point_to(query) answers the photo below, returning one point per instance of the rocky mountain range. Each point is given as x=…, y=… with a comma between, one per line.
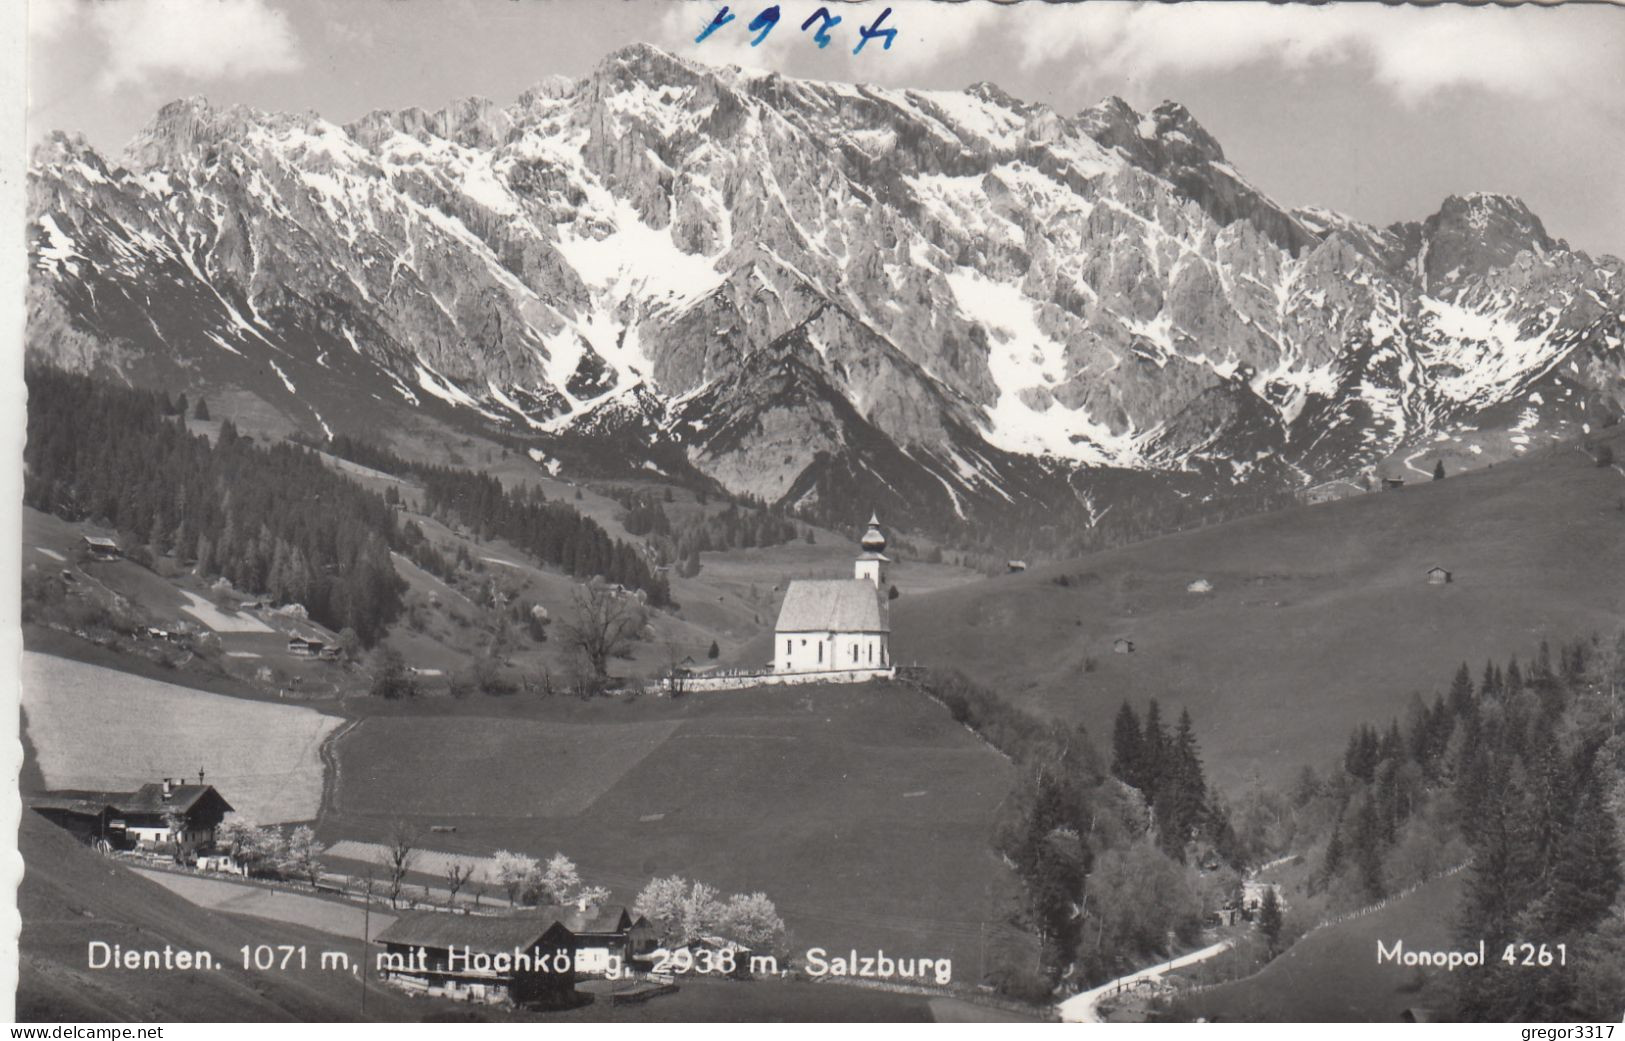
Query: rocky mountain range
x=945, y=303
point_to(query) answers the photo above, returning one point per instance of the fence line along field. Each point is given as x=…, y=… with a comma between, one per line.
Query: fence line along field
x=95, y=728
x=431, y=862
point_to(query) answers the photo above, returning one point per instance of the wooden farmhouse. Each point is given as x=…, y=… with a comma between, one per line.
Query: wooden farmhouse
x=169, y=815
x=1438, y=576
x=305, y=647
x=521, y=959
x=607, y=938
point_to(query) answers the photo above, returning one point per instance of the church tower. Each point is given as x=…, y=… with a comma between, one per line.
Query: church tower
x=872, y=561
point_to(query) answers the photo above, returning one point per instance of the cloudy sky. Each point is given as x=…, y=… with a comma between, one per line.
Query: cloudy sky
x=1379, y=112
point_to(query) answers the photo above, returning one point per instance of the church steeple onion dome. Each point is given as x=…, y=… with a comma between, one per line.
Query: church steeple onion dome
x=873, y=540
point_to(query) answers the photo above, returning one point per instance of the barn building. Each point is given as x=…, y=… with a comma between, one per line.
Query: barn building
x=521, y=959
x=1438, y=576
x=607, y=938
x=101, y=548
x=840, y=624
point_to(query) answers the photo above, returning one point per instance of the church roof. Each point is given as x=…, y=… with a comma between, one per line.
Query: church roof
x=832, y=605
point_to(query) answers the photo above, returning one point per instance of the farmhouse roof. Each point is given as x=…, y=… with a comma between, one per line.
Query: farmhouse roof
x=149, y=798
x=88, y=806
x=832, y=605
x=1436, y=567
x=485, y=933
x=594, y=921
x=101, y=542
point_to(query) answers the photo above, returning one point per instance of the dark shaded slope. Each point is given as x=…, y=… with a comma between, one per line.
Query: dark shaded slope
x=71, y=896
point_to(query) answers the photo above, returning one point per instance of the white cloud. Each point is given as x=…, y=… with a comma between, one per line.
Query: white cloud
x=196, y=39
x=1414, y=52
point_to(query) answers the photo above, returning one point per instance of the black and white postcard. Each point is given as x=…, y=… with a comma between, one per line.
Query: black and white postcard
x=549, y=512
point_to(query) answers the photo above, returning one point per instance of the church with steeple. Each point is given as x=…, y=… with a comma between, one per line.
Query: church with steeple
x=837, y=625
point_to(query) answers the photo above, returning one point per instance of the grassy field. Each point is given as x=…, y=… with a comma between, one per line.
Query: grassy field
x=70, y=896
x=531, y=768
x=1319, y=617
x=327, y=915
x=92, y=727
x=864, y=812
x=1332, y=975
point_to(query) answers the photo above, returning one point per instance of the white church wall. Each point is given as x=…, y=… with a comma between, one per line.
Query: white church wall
x=825, y=652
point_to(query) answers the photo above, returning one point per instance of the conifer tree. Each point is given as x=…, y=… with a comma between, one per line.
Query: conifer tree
x=1587, y=874
x=1368, y=849
x=1153, y=749
x=1126, y=747
x=1333, y=864
x=1461, y=691
x=1270, y=919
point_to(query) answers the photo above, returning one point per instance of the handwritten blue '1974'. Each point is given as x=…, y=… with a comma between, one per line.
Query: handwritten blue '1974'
x=768, y=17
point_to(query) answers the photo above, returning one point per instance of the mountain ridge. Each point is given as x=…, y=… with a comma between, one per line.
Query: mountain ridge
x=996, y=285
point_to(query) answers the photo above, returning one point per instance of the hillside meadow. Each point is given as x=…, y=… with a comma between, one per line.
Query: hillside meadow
x=96, y=728
x=1319, y=617
x=863, y=811
x=70, y=896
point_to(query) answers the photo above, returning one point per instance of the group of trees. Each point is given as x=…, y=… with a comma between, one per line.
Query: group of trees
x=681, y=542
x=552, y=532
x=273, y=521
x=535, y=883
x=270, y=851
x=1107, y=878
x=1520, y=774
x=1167, y=770
x=681, y=911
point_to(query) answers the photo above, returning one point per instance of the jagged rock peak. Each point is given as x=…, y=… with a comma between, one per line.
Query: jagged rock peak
x=1473, y=233
x=1171, y=120
x=60, y=147
x=646, y=58
x=1109, y=113
x=994, y=94
x=175, y=131
x=556, y=87
x=473, y=121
